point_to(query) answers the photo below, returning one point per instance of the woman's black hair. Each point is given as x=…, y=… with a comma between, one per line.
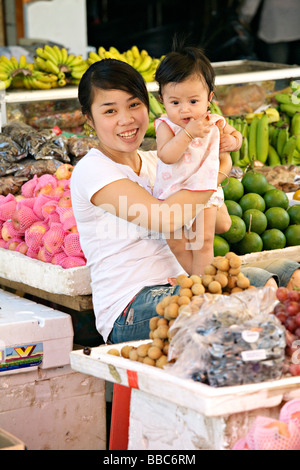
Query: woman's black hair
x=181, y=63
x=110, y=74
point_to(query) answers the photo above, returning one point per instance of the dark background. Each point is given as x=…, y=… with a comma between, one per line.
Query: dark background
x=151, y=25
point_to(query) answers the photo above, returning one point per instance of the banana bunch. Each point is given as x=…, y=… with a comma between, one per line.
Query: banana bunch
x=156, y=109
x=57, y=61
x=140, y=60
x=12, y=71
x=271, y=112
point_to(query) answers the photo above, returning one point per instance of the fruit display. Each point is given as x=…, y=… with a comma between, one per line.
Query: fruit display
x=53, y=67
x=223, y=276
x=140, y=60
x=156, y=109
x=40, y=223
x=287, y=311
x=261, y=217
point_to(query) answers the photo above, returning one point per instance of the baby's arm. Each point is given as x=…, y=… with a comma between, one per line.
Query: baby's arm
x=230, y=139
x=170, y=147
x=225, y=166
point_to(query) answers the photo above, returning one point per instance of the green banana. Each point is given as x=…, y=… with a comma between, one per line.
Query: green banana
x=274, y=136
x=296, y=158
x=7, y=63
x=57, y=52
x=287, y=98
x=154, y=105
x=273, y=157
x=252, y=138
x=150, y=132
x=282, y=138
x=78, y=60
x=244, y=150
x=288, y=151
x=64, y=55
x=295, y=124
x=298, y=142
x=290, y=109
x=262, y=139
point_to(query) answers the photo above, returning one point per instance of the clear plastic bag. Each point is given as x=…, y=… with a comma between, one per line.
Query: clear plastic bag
x=229, y=340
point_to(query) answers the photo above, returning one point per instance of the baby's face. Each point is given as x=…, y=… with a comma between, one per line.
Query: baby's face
x=186, y=100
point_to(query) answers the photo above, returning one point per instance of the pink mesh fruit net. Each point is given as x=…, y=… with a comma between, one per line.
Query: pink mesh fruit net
x=72, y=262
x=34, y=235
x=58, y=257
x=72, y=245
x=44, y=255
x=291, y=412
x=9, y=229
x=49, y=211
x=54, y=238
x=66, y=217
x=23, y=218
x=28, y=188
x=7, y=207
x=39, y=202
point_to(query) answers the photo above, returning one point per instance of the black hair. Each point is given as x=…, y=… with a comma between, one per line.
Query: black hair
x=181, y=63
x=111, y=74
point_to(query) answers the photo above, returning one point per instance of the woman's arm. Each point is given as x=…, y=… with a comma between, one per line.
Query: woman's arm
x=128, y=200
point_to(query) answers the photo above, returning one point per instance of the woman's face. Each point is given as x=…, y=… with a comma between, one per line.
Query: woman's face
x=186, y=100
x=119, y=119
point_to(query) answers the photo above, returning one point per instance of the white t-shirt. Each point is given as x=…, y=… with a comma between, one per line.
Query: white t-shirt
x=122, y=257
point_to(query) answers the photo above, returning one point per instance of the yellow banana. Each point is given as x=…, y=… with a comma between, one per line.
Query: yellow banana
x=7, y=62
x=101, y=52
x=70, y=58
x=40, y=63
x=262, y=139
x=4, y=76
x=78, y=60
x=15, y=63
x=109, y=55
x=4, y=84
x=41, y=53
x=273, y=114
x=57, y=52
x=64, y=55
x=22, y=62
x=80, y=68
x=50, y=54
x=135, y=51
x=95, y=57
x=77, y=75
x=61, y=83
x=114, y=50
x=26, y=83
x=45, y=77
x=145, y=65
x=4, y=69
x=51, y=67
x=39, y=85
x=129, y=56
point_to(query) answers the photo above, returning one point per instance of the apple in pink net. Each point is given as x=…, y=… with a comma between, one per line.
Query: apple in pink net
x=64, y=171
x=22, y=248
x=34, y=235
x=65, y=201
x=12, y=244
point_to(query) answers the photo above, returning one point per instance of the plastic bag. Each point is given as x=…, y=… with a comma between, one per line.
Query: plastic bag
x=229, y=340
x=10, y=151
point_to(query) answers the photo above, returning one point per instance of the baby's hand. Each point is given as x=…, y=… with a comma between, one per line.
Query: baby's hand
x=199, y=127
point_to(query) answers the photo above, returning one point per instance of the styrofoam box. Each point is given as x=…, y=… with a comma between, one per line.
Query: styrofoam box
x=52, y=278
x=32, y=335
x=201, y=398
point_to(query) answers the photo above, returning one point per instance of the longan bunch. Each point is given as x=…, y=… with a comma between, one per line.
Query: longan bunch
x=224, y=276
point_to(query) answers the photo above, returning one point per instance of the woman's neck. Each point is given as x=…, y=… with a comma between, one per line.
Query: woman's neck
x=133, y=160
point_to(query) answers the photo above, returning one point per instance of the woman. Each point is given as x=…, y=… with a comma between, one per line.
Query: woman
x=122, y=226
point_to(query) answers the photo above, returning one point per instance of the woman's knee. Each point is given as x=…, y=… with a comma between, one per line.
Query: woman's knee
x=295, y=280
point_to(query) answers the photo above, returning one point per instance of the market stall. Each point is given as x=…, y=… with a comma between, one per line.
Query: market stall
x=59, y=276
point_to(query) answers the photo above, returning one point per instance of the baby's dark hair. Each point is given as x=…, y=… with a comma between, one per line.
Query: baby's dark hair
x=183, y=62
x=111, y=74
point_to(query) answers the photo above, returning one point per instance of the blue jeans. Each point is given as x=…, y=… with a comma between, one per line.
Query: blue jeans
x=280, y=269
x=133, y=323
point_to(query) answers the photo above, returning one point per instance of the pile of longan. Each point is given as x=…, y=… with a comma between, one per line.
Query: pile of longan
x=222, y=276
